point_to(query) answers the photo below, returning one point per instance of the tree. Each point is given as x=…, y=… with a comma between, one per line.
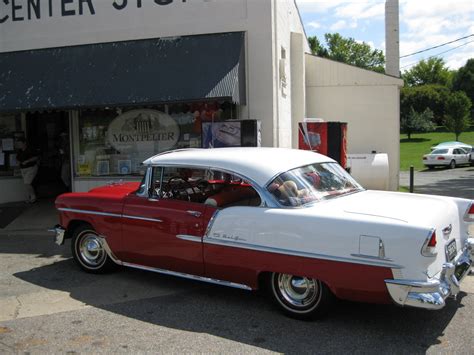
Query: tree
x=419, y=98
x=431, y=71
x=416, y=122
x=348, y=51
x=464, y=80
x=457, y=118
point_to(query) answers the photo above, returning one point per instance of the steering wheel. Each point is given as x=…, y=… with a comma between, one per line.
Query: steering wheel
x=178, y=187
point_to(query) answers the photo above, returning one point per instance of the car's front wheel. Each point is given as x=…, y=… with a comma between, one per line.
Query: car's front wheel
x=300, y=297
x=88, y=251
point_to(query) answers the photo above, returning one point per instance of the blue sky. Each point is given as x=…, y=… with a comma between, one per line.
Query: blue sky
x=423, y=24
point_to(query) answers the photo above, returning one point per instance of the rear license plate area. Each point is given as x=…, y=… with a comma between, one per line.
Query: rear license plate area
x=451, y=250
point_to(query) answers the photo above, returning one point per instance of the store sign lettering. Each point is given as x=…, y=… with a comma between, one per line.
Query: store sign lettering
x=143, y=137
x=26, y=10
x=143, y=129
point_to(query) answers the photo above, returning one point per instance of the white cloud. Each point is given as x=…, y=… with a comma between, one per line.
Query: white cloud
x=313, y=25
x=360, y=11
x=342, y=24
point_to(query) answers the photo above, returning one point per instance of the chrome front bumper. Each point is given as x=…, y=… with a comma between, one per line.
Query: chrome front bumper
x=432, y=294
x=59, y=234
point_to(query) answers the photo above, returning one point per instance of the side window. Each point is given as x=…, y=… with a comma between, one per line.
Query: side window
x=211, y=187
x=227, y=190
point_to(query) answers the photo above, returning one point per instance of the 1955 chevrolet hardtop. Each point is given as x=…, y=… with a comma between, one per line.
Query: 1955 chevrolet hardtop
x=293, y=221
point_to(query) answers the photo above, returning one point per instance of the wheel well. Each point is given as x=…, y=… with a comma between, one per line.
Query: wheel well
x=73, y=225
x=263, y=279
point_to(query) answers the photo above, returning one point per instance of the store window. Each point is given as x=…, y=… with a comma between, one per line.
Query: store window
x=10, y=131
x=114, y=142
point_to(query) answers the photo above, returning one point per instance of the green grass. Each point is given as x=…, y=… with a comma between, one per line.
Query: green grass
x=411, y=151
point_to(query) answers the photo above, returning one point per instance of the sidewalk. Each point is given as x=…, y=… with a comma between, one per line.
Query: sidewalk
x=36, y=218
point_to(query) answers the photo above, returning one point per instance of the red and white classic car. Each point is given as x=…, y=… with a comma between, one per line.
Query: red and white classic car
x=291, y=220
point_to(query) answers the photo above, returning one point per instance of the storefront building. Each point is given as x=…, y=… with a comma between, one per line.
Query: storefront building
x=99, y=86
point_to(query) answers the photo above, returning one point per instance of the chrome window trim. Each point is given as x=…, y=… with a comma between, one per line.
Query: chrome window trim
x=227, y=243
x=107, y=214
x=145, y=193
x=189, y=238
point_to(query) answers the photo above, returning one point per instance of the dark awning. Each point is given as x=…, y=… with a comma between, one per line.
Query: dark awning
x=133, y=72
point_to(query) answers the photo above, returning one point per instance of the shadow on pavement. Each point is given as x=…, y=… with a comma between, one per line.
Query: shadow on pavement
x=247, y=317
x=463, y=187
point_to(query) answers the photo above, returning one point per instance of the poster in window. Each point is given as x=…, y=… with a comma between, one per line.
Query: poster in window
x=103, y=167
x=125, y=167
x=221, y=134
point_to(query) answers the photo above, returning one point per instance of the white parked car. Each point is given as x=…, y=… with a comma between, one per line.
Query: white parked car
x=447, y=157
x=291, y=221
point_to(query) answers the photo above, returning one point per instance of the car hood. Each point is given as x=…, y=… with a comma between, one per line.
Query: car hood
x=396, y=206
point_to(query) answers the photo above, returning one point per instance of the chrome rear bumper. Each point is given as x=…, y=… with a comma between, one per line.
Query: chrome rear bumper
x=432, y=294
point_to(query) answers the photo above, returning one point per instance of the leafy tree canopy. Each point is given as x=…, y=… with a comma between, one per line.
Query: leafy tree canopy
x=349, y=51
x=426, y=72
x=457, y=118
x=417, y=122
x=464, y=80
x=419, y=98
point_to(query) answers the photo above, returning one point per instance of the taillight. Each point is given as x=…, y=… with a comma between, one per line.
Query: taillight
x=441, y=158
x=429, y=246
x=469, y=217
x=432, y=242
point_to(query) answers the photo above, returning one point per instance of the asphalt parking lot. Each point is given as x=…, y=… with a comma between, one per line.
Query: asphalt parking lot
x=48, y=305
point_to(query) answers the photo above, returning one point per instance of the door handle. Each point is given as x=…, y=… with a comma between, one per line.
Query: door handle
x=194, y=213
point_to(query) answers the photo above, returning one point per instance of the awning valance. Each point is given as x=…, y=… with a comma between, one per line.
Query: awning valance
x=147, y=71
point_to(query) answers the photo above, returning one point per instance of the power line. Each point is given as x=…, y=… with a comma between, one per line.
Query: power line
x=440, y=45
x=436, y=55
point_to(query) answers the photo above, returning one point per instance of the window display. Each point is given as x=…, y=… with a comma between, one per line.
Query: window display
x=116, y=141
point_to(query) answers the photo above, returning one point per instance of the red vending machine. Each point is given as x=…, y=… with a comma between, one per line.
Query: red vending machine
x=327, y=138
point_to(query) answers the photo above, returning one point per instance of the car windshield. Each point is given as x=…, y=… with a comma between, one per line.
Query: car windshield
x=440, y=151
x=312, y=183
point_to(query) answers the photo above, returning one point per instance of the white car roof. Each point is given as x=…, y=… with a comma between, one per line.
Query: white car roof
x=257, y=164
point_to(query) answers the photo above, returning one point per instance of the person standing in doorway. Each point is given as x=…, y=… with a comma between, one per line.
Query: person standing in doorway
x=28, y=166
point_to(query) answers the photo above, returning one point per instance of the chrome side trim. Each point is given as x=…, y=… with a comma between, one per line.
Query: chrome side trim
x=211, y=222
x=188, y=276
x=107, y=214
x=371, y=257
x=142, y=218
x=112, y=256
x=227, y=243
x=110, y=253
x=189, y=238
x=96, y=213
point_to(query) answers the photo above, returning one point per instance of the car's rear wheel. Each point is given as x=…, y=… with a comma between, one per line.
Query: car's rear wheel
x=88, y=251
x=431, y=167
x=300, y=297
x=452, y=164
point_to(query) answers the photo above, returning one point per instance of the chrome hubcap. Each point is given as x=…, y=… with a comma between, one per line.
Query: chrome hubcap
x=91, y=249
x=298, y=291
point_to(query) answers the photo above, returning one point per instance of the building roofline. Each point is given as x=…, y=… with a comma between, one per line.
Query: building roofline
x=388, y=76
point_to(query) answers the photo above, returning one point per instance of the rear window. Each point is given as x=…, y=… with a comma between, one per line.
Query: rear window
x=440, y=151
